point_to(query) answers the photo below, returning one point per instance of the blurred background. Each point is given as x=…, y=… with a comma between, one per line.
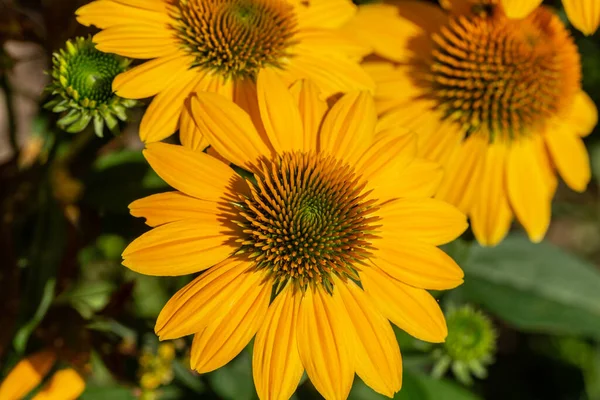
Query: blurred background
x=525, y=325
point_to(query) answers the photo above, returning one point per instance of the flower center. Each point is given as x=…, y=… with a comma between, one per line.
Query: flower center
x=504, y=77
x=87, y=73
x=307, y=218
x=236, y=37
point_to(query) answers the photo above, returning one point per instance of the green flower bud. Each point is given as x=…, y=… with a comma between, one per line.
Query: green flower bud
x=81, y=87
x=469, y=347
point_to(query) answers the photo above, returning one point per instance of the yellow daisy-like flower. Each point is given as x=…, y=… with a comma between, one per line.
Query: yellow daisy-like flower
x=64, y=384
x=220, y=46
x=496, y=101
x=583, y=14
x=331, y=234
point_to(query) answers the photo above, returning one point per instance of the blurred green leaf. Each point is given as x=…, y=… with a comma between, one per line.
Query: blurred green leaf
x=234, y=380
x=187, y=377
x=535, y=287
x=89, y=297
x=22, y=335
x=113, y=392
x=149, y=295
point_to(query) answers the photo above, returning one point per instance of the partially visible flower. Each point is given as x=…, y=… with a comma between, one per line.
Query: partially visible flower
x=330, y=235
x=469, y=347
x=156, y=368
x=498, y=102
x=583, y=14
x=64, y=384
x=82, y=78
x=220, y=46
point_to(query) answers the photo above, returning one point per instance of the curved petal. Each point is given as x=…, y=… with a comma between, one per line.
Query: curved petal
x=26, y=375
x=312, y=109
x=570, y=157
x=191, y=172
x=421, y=178
x=527, y=189
x=65, y=384
x=220, y=341
x=415, y=263
x=207, y=299
x=228, y=129
x=104, y=14
x=412, y=310
x=162, y=208
x=153, y=5
x=583, y=115
x=426, y=220
x=323, y=13
x=162, y=117
x=181, y=247
x=392, y=151
x=137, y=41
x=375, y=349
x=518, y=9
x=583, y=14
x=189, y=133
x=463, y=173
x=276, y=364
x=491, y=214
x=280, y=115
x=328, y=41
x=151, y=77
x=349, y=127
x=323, y=326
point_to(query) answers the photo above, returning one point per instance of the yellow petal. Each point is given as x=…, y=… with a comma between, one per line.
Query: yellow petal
x=412, y=310
x=332, y=73
x=228, y=129
x=323, y=13
x=491, y=214
x=276, y=364
x=153, y=5
x=26, y=375
x=280, y=115
x=583, y=115
x=518, y=9
x=349, y=128
x=161, y=119
x=65, y=384
x=463, y=173
x=151, y=77
x=527, y=189
x=137, y=41
x=323, y=326
x=189, y=133
x=181, y=247
x=207, y=299
x=312, y=109
x=389, y=150
x=220, y=341
x=421, y=178
x=104, y=14
x=427, y=220
x=583, y=14
x=191, y=172
x=328, y=41
x=374, y=345
x=458, y=6
x=162, y=208
x=396, y=85
x=415, y=263
x=570, y=157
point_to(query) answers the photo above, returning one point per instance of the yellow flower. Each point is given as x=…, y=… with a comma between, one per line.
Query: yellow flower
x=583, y=14
x=219, y=46
x=332, y=233
x=64, y=384
x=498, y=102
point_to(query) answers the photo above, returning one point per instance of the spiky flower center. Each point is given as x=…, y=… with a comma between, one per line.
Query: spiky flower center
x=502, y=77
x=236, y=37
x=471, y=335
x=89, y=73
x=307, y=218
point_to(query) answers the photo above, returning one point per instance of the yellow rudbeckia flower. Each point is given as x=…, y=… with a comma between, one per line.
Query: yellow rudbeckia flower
x=496, y=101
x=64, y=384
x=331, y=234
x=583, y=14
x=219, y=46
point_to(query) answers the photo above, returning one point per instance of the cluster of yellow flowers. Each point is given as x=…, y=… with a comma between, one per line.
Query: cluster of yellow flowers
x=346, y=144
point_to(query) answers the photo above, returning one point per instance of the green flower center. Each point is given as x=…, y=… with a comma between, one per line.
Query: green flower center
x=471, y=336
x=500, y=77
x=236, y=38
x=307, y=217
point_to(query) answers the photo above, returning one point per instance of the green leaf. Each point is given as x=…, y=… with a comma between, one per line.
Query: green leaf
x=234, y=381
x=535, y=287
x=22, y=335
x=187, y=377
x=113, y=392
